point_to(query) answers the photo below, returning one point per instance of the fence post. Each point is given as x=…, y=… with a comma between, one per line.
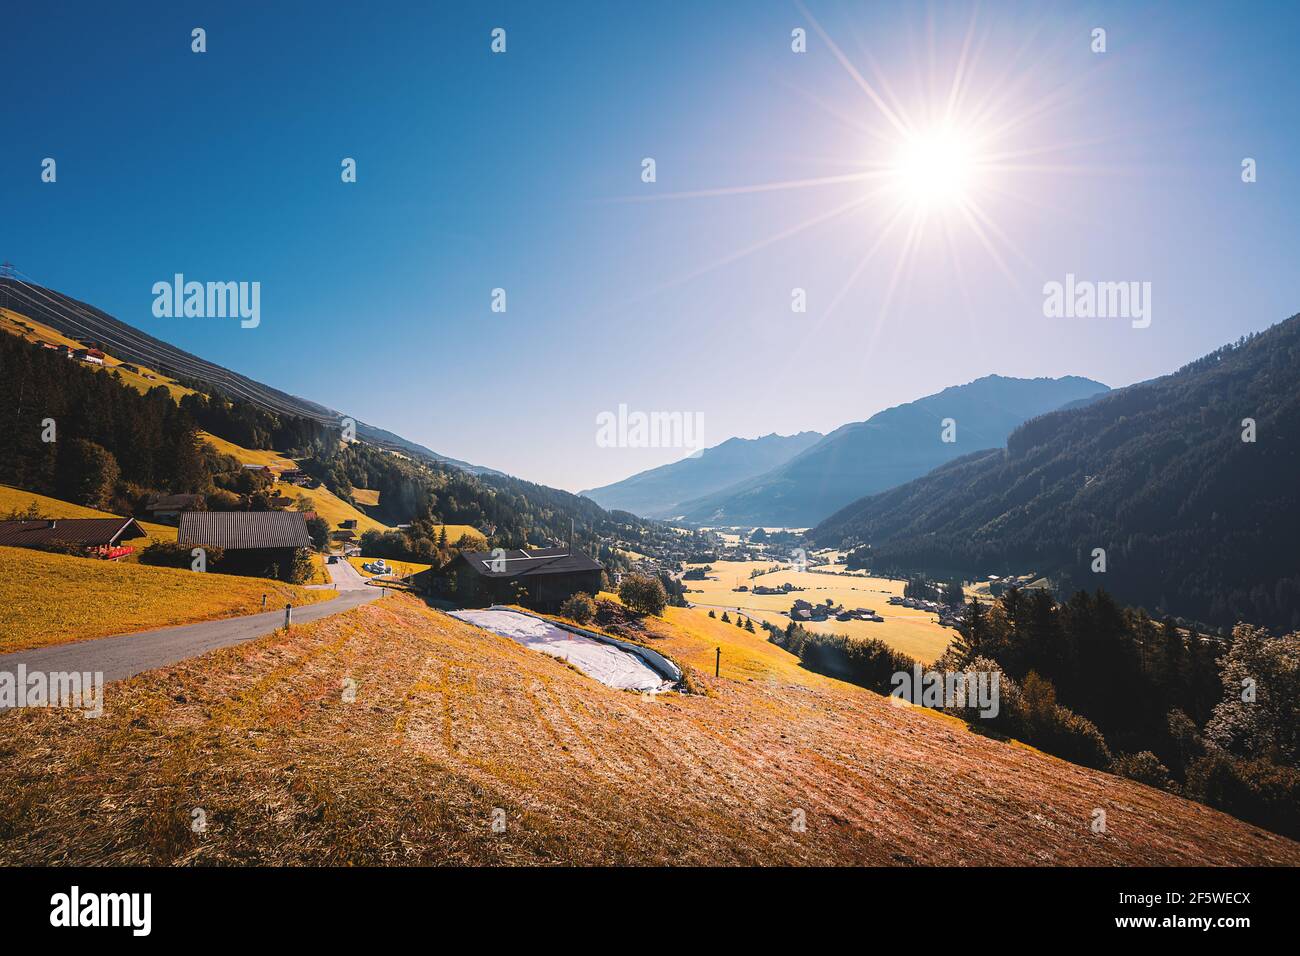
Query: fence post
x=717, y=664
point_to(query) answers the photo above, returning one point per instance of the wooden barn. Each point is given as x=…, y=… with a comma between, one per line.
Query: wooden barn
x=99, y=537
x=260, y=543
x=543, y=576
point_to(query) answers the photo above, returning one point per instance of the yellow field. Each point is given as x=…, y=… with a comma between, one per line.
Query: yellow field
x=55, y=599
x=15, y=498
x=333, y=509
x=249, y=456
x=9, y=322
x=365, y=496
x=916, y=633
x=401, y=568
x=328, y=505
x=456, y=531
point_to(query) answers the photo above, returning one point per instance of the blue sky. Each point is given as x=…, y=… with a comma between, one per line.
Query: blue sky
x=523, y=171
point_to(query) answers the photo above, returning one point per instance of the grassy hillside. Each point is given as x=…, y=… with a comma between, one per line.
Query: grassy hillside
x=55, y=599
x=328, y=505
x=332, y=508
x=16, y=499
x=451, y=724
x=249, y=456
x=142, y=380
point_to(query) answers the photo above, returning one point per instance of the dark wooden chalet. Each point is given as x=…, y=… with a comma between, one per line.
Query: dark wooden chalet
x=544, y=577
x=262, y=543
x=101, y=537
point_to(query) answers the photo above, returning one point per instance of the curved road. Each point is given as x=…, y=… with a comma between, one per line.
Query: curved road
x=126, y=655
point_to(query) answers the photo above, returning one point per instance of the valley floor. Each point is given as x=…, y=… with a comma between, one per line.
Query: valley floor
x=913, y=632
x=396, y=734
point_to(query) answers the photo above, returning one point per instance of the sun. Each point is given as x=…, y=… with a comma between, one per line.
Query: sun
x=935, y=168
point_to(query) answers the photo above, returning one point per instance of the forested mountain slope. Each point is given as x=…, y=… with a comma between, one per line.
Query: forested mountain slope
x=1194, y=520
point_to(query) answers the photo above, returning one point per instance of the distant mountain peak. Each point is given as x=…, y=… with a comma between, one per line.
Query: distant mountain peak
x=658, y=492
x=894, y=445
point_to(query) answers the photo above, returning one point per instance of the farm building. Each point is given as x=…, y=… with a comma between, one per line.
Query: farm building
x=544, y=577
x=262, y=543
x=169, y=507
x=92, y=356
x=102, y=537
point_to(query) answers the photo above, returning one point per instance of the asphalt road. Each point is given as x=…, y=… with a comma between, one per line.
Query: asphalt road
x=126, y=655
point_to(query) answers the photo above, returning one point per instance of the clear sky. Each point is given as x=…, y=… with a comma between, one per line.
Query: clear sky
x=523, y=171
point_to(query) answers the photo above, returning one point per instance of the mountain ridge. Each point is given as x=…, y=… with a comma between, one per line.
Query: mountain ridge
x=655, y=493
x=1194, y=518
x=894, y=445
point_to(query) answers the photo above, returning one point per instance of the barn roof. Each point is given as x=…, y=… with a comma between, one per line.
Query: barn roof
x=90, y=532
x=244, y=530
x=531, y=562
x=174, y=501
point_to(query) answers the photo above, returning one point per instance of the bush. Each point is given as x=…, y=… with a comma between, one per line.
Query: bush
x=1253, y=790
x=867, y=662
x=1075, y=738
x=1028, y=711
x=303, y=570
x=1146, y=768
x=319, y=530
x=579, y=608
x=63, y=547
x=643, y=595
x=169, y=554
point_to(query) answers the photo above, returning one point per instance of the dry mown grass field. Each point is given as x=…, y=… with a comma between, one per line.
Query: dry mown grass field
x=50, y=599
x=450, y=723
